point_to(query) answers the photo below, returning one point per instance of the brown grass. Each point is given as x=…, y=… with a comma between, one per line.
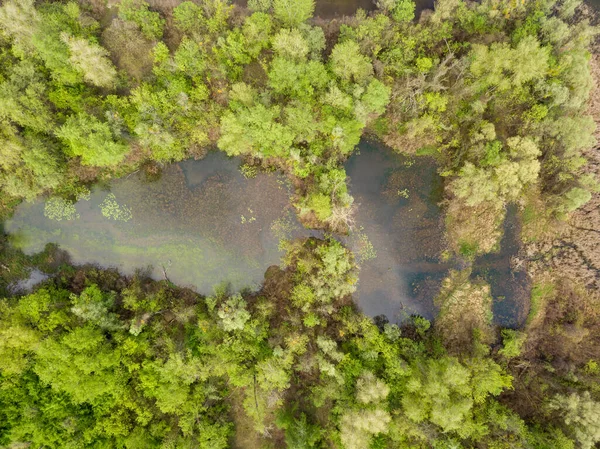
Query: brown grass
x=129, y=50
x=478, y=226
x=465, y=310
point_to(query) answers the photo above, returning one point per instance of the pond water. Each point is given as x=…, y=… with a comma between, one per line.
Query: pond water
x=202, y=223
x=397, y=213
x=337, y=8
x=24, y=286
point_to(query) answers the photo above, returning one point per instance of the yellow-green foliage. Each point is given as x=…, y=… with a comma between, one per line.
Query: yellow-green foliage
x=497, y=91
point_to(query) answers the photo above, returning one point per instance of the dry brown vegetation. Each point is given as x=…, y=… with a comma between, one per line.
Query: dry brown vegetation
x=477, y=227
x=465, y=312
x=563, y=340
x=129, y=49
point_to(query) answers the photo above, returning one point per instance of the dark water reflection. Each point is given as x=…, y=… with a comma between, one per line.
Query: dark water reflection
x=397, y=211
x=337, y=8
x=510, y=288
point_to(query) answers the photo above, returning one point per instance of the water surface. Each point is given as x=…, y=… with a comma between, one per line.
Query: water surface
x=397, y=211
x=202, y=223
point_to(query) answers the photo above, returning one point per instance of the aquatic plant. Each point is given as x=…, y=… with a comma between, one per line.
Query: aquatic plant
x=248, y=171
x=113, y=210
x=59, y=209
x=83, y=193
x=364, y=250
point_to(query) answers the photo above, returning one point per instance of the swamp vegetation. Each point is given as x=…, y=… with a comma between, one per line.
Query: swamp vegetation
x=280, y=224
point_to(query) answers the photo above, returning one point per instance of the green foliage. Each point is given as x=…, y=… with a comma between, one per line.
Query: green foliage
x=540, y=294
x=302, y=296
x=349, y=64
x=91, y=346
x=71, y=358
x=260, y=5
x=582, y=415
x=311, y=320
x=445, y=392
x=326, y=272
x=248, y=171
x=358, y=427
x=28, y=166
x=496, y=91
x=233, y=313
x=513, y=343
x=254, y=128
x=92, y=140
x=369, y=389
x=299, y=433
x=92, y=60
x=290, y=44
x=575, y=198
x=292, y=13
x=320, y=204
x=137, y=11
x=489, y=64
x=403, y=10
x=189, y=17
x=93, y=306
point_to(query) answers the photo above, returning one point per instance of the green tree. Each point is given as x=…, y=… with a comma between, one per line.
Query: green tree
x=349, y=64
x=320, y=204
x=299, y=433
x=233, y=313
x=260, y=5
x=403, y=10
x=92, y=140
x=92, y=60
x=290, y=44
x=93, y=306
x=575, y=198
x=138, y=11
x=24, y=98
x=369, y=389
x=255, y=130
x=444, y=391
x=292, y=13
x=29, y=165
x=582, y=415
x=513, y=342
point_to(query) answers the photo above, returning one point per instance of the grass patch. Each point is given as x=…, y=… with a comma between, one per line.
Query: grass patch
x=540, y=293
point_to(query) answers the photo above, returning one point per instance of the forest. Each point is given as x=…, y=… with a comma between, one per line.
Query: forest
x=502, y=95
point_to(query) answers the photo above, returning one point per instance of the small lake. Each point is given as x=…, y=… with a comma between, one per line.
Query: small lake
x=397, y=211
x=202, y=223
